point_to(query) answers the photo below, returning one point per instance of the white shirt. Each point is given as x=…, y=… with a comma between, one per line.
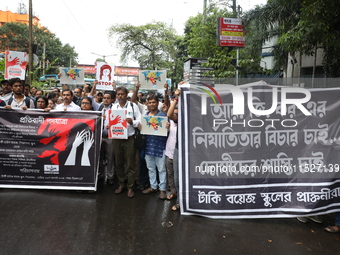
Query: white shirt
x=71, y=107
x=6, y=97
x=15, y=104
x=135, y=118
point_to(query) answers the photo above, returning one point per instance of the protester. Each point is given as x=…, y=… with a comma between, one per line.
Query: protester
x=86, y=104
x=18, y=99
x=39, y=93
x=173, y=116
x=336, y=227
x=77, y=95
x=51, y=105
x=42, y=102
x=169, y=154
x=6, y=90
x=106, y=161
x=154, y=153
x=67, y=104
x=124, y=150
x=54, y=98
x=99, y=97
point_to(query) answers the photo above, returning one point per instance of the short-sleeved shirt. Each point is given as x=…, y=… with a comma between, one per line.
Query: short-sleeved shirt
x=155, y=145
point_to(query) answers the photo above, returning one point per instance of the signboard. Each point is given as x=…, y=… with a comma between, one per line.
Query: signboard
x=71, y=75
x=88, y=69
x=104, y=75
x=152, y=79
x=230, y=32
x=118, y=124
x=126, y=71
x=49, y=150
x=195, y=71
x=15, y=64
x=154, y=125
x=275, y=154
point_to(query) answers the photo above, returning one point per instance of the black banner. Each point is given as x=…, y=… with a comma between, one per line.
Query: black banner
x=49, y=150
x=280, y=158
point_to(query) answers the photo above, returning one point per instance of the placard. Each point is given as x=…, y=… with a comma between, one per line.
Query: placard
x=118, y=124
x=104, y=75
x=152, y=79
x=15, y=64
x=154, y=125
x=71, y=75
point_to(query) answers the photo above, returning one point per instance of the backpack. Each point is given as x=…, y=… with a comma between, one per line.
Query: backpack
x=27, y=101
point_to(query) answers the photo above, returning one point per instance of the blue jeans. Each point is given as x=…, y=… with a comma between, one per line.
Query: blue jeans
x=152, y=162
x=337, y=219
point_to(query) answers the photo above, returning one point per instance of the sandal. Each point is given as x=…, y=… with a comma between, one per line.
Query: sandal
x=175, y=207
x=171, y=196
x=332, y=229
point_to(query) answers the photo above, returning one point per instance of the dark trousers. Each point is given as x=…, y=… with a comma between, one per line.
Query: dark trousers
x=124, y=151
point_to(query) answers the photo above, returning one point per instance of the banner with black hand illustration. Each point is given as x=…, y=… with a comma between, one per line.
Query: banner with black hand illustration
x=256, y=151
x=50, y=150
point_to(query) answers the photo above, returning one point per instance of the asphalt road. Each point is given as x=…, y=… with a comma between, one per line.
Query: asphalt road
x=67, y=222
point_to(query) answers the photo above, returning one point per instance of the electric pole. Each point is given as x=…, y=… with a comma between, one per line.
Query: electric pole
x=30, y=44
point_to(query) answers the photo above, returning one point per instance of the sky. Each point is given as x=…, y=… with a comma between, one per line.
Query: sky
x=84, y=23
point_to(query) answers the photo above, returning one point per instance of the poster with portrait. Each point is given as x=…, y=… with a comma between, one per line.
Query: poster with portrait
x=154, y=125
x=152, y=79
x=71, y=75
x=118, y=124
x=15, y=64
x=104, y=75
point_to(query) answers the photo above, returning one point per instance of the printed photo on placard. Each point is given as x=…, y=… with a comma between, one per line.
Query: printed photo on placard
x=71, y=75
x=15, y=64
x=117, y=123
x=154, y=125
x=104, y=75
x=152, y=79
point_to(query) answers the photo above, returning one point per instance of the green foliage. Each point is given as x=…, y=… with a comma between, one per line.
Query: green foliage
x=14, y=36
x=300, y=26
x=153, y=46
x=2, y=69
x=200, y=38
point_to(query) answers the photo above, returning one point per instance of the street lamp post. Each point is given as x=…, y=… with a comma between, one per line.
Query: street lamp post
x=103, y=56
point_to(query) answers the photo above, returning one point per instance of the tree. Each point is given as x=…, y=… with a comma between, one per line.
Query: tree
x=152, y=45
x=300, y=26
x=14, y=36
x=200, y=38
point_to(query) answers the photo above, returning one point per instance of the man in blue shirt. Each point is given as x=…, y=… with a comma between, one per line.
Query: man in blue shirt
x=154, y=153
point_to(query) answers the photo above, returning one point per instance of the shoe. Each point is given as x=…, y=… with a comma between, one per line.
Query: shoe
x=315, y=218
x=149, y=190
x=162, y=195
x=131, y=194
x=171, y=196
x=176, y=207
x=142, y=187
x=110, y=181
x=332, y=229
x=119, y=190
x=302, y=219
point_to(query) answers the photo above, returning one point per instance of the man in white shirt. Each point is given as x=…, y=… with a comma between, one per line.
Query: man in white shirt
x=18, y=99
x=68, y=104
x=124, y=149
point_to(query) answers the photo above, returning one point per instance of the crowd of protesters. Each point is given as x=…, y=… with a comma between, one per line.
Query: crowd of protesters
x=149, y=164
